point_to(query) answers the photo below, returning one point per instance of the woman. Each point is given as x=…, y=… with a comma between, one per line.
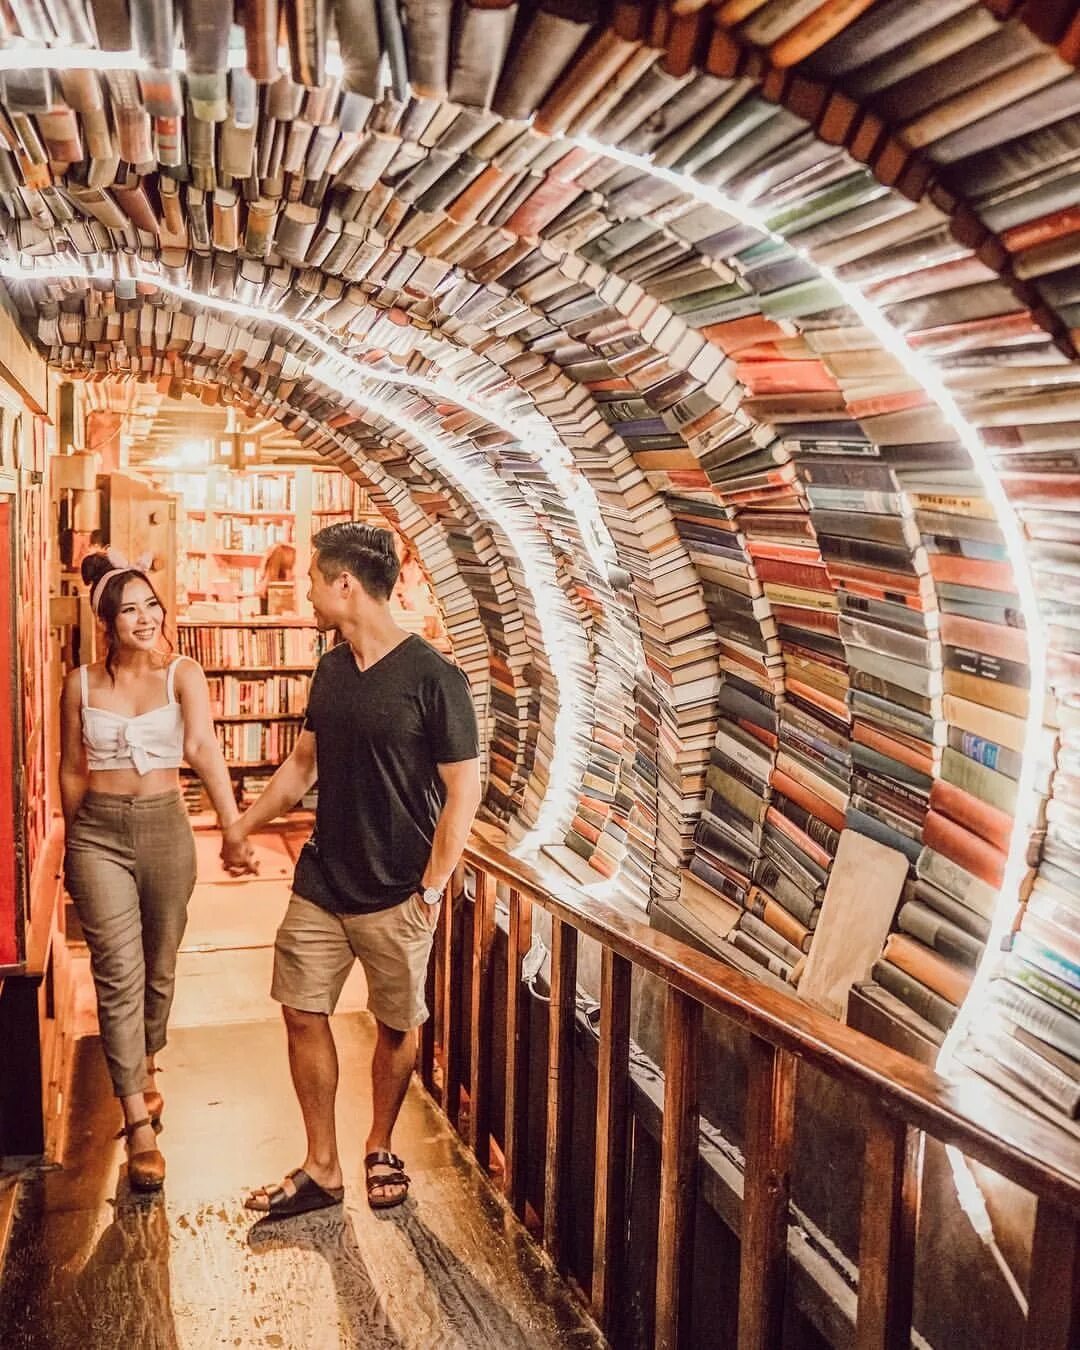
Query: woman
x=127, y=723
x=278, y=564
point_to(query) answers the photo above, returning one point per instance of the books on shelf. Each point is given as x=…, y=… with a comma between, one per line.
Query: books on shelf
x=251, y=644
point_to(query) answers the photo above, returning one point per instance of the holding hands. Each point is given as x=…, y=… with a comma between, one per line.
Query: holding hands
x=237, y=854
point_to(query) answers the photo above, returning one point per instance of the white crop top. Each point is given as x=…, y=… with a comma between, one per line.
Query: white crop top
x=152, y=740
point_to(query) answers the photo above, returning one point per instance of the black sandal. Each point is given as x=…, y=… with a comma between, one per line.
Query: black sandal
x=307, y=1196
x=397, y=1177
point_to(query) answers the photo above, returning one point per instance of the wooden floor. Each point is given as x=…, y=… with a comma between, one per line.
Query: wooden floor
x=92, y=1265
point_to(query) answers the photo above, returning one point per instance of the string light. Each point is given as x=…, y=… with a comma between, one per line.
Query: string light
x=564, y=640
x=20, y=55
x=931, y=381
x=921, y=370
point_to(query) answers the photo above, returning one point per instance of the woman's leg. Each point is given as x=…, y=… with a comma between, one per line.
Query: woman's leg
x=165, y=871
x=107, y=900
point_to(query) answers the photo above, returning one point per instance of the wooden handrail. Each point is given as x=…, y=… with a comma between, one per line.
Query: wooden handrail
x=982, y=1123
x=899, y=1100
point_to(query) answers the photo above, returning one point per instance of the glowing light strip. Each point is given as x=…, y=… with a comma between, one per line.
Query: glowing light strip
x=29, y=55
x=564, y=642
x=929, y=378
x=22, y=55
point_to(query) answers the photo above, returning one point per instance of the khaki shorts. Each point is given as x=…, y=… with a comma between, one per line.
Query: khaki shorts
x=315, y=950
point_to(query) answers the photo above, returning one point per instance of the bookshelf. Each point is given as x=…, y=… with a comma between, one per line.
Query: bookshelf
x=231, y=519
x=258, y=671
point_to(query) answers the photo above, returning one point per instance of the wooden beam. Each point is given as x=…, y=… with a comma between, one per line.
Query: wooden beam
x=560, y=1093
x=483, y=939
x=612, y=1134
x=770, y=1122
x=678, y=1170
x=1054, y=1285
x=516, y=1099
x=451, y=1008
x=887, y=1229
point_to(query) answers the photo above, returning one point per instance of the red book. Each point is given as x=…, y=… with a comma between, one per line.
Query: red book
x=950, y=981
x=887, y=403
x=979, y=572
x=974, y=333
x=793, y=574
x=798, y=837
x=892, y=748
x=964, y=848
x=1007, y=644
x=767, y=738
x=988, y=822
x=784, y=377
x=738, y=333
x=835, y=707
x=885, y=583
x=1045, y=228
x=810, y=801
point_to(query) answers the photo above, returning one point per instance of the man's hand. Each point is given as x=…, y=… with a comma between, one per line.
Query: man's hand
x=430, y=912
x=237, y=855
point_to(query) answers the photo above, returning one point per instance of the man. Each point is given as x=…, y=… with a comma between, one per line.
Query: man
x=391, y=735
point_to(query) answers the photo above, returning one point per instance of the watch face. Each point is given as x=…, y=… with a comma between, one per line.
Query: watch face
x=432, y=895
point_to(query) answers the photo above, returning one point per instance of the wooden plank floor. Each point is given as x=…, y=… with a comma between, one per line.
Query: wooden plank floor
x=92, y=1265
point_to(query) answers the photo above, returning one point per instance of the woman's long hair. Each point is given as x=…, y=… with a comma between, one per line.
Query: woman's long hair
x=94, y=566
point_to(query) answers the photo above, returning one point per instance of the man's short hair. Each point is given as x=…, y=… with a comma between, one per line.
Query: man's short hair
x=364, y=551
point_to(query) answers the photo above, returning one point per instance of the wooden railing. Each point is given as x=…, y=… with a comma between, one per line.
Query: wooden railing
x=896, y=1098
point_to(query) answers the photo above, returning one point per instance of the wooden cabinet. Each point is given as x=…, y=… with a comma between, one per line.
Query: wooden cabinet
x=139, y=519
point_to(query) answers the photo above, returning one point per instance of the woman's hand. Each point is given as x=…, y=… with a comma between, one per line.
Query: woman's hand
x=237, y=854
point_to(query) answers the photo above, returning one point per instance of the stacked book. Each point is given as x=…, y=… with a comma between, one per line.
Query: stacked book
x=1029, y=1042
x=975, y=682
x=886, y=623
x=448, y=222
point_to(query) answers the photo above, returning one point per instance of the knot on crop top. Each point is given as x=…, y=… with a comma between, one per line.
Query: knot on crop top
x=152, y=740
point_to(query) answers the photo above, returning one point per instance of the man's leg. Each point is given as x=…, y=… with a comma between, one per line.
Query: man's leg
x=391, y=1070
x=394, y=947
x=313, y=1063
x=312, y=958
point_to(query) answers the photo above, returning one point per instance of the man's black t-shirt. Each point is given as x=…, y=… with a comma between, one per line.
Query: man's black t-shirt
x=379, y=734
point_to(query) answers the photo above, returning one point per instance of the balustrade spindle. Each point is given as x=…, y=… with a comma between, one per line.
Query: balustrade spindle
x=887, y=1231
x=480, y=987
x=516, y=1101
x=612, y=1134
x=770, y=1127
x=678, y=1169
x=560, y=1085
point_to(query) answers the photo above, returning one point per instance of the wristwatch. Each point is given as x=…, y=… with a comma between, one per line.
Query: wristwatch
x=431, y=895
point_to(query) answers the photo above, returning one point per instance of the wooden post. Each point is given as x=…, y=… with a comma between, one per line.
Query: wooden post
x=516, y=1101
x=483, y=937
x=678, y=1169
x=425, y=1060
x=560, y=1093
x=770, y=1119
x=612, y=1116
x=887, y=1229
x=451, y=1004
x=1054, y=1286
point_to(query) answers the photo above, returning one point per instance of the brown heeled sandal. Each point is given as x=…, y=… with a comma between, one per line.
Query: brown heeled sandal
x=146, y=1169
x=155, y=1109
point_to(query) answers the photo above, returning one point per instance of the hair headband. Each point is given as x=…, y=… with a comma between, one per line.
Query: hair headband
x=119, y=565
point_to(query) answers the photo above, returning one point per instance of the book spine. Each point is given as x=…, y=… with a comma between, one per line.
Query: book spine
x=1039, y=1074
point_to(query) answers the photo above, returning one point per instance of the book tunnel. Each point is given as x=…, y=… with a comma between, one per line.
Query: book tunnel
x=714, y=368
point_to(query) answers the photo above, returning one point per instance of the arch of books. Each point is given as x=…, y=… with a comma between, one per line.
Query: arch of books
x=720, y=364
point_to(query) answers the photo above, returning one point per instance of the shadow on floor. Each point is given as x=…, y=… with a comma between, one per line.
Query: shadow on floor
x=94, y=1267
